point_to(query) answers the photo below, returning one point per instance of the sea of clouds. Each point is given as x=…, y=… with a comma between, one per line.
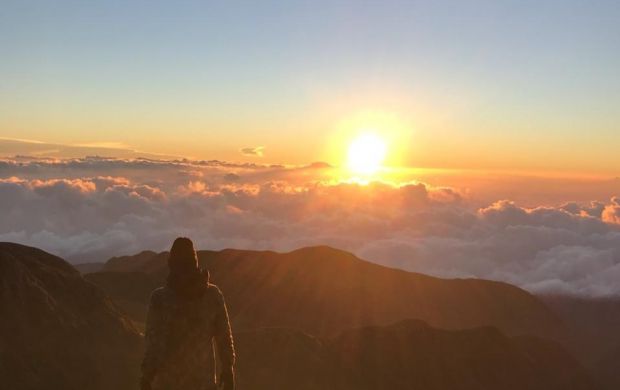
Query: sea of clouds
x=89, y=209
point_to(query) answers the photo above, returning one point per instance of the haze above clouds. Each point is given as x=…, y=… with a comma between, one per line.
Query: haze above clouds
x=90, y=209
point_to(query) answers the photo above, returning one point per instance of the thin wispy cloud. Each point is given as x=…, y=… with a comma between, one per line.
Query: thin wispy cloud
x=257, y=151
x=104, y=144
x=10, y=147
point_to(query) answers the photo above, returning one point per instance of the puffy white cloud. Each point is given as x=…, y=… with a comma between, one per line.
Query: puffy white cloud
x=545, y=250
x=611, y=212
x=93, y=208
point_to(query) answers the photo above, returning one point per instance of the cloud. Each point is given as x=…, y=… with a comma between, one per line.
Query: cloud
x=253, y=151
x=611, y=212
x=10, y=147
x=93, y=208
x=104, y=144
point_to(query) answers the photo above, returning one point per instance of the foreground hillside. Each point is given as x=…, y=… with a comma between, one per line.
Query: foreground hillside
x=592, y=327
x=57, y=331
x=322, y=291
x=406, y=355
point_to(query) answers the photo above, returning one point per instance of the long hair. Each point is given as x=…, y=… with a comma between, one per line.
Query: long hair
x=185, y=277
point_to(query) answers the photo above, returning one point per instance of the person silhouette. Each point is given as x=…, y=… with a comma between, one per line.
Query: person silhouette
x=185, y=319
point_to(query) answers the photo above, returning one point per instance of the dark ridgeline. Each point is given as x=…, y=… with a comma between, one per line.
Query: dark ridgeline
x=318, y=303
x=58, y=331
x=323, y=291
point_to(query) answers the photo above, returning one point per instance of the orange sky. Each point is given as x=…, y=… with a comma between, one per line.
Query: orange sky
x=478, y=86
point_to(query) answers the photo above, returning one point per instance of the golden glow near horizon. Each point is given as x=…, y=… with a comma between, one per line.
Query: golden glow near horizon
x=366, y=153
x=91, y=80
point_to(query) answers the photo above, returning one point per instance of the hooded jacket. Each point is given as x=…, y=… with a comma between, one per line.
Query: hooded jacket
x=186, y=318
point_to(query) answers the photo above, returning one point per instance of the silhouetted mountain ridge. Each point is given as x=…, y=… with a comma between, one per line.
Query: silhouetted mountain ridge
x=322, y=291
x=58, y=331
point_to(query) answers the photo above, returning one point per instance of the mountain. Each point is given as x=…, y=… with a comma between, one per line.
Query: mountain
x=129, y=290
x=58, y=331
x=322, y=291
x=592, y=333
x=138, y=262
x=606, y=368
x=592, y=323
x=88, y=268
x=284, y=358
x=406, y=355
x=412, y=355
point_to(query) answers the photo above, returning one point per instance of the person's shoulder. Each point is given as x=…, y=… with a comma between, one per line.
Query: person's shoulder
x=214, y=291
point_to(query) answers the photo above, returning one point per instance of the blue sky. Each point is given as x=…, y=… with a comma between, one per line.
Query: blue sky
x=207, y=78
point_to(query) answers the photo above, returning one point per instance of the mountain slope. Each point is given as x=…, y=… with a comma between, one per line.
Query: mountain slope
x=57, y=330
x=606, y=368
x=322, y=291
x=592, y=336
x=406, y=355
x=88, y=268
x=412, y=355
x=283, y=358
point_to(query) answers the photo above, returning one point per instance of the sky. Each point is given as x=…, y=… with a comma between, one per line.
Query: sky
x=489, y=85
x=458, y=139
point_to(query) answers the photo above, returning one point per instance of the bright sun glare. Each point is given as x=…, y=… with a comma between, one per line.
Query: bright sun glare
x=366, y=154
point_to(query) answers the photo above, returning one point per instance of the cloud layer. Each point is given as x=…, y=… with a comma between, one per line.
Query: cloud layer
x=93, y=208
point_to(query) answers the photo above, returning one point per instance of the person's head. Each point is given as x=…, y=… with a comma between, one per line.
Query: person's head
x=183, y=257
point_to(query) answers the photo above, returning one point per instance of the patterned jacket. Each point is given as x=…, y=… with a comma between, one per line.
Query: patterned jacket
x=180, y=336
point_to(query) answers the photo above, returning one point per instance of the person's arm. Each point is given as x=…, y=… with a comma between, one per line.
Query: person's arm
x=154, y=341
x=224, y=342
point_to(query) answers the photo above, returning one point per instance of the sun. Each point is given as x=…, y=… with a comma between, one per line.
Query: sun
x=366, y=154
